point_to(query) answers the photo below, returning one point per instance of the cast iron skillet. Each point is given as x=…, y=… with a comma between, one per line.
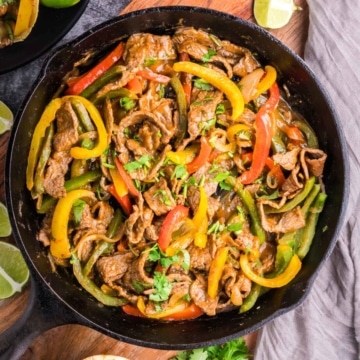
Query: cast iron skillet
x=57, y=299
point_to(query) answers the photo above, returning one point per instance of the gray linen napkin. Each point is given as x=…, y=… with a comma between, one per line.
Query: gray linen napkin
x=14, y=84
x=327, y=324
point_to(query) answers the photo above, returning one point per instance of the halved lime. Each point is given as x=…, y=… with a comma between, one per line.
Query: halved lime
x=58, y=4
x=14, y=272
x=5, y=227
x=274, y=14
x=6, y=118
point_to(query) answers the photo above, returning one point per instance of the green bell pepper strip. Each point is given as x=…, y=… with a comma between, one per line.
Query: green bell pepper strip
x=92, y=288
x=250, y=205
x=277, y=144
x=113, y=94
x=298, y=199
x=82, y=114
x=292, y=238
x=182, y=107
x=251, y=299
x=103, y=246
x=43, y=158
x=71, y=184
x=104, y=79
x=310, y=135
x=308, y=232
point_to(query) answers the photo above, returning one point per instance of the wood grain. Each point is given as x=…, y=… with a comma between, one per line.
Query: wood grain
x=76, y=342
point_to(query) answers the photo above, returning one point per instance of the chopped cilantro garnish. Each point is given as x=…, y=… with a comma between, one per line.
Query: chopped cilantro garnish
x=202, y=84
x=78, y=209
x=143, y=162
x=127, y=103
x=207, y=57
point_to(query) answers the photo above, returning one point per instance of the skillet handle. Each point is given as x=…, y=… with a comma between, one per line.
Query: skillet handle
x=43, y=312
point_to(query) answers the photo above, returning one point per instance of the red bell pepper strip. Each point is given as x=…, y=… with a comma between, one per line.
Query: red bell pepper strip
x=275, y=171
x=152, y=76
x=124, y=201
x=186, y=78
x=172, y=219
x=134, y=85
x=130, y=309
x=202, y=158
x=105, y=64
x=126, y=178
x=264, y=133
x=191, y=312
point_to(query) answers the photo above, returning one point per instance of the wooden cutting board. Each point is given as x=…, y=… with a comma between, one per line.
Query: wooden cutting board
x=75, y=342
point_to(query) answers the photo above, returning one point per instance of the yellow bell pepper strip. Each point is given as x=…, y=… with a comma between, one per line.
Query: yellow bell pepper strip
x=26, y=12
x=202, y=158
x=183, y=157
x=184, y=240
x=102, y=136
x=308, y=232
x=298, y=199
x=99, y=69
x=120, y=186
x=179, y=307
x=250, y=205
x=267, y=81
x=218, y=80
x=264, y=133
x=170, y=223
x=216, y=269
x=200, y=220
x=235, y=129
x=133, y=191
x=60, y=243
x=278, y=281
x=92, y=288
x=45, y=120
x=182, y=108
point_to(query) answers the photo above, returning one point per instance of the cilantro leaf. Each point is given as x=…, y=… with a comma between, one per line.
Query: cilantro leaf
x=78, y=209
x=203, y=85
x=162, y=287
x=207, y=57
x=143, y=162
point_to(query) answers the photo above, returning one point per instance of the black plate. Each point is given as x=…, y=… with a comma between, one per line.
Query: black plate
x=50, y=27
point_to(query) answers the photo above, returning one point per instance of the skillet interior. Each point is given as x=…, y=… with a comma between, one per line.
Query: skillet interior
x=312, y=102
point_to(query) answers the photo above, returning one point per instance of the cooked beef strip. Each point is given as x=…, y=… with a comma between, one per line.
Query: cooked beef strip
x=198, y=293
x=159, y=198
x=112, y=268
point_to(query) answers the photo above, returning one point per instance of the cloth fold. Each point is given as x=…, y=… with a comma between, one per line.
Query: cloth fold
x=327, y=324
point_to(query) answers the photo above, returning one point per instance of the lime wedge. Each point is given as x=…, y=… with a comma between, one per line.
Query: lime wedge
x=6, y=118
x=5, y=227
x=14, y=272
x=273, y=14
x=59, y=4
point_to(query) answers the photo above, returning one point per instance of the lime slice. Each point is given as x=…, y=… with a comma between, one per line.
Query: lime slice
x=5, y=227
x=14, y=272
x=273, y=14
x=58, y=4
x=6, y=118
